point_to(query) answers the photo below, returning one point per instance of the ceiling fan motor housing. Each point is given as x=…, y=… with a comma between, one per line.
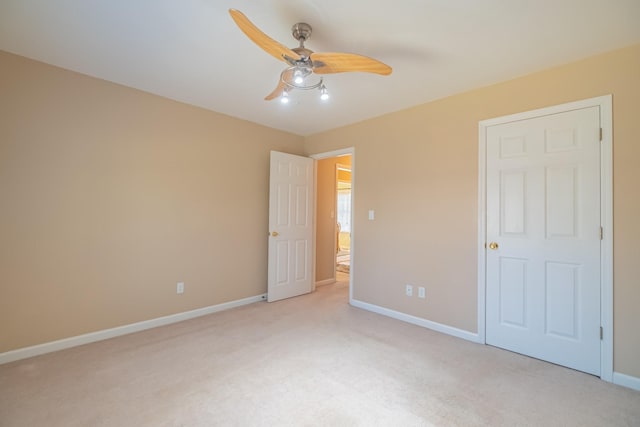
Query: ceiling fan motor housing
x=301, y=31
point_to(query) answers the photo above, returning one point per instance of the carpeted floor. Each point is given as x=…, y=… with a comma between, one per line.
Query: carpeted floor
x=306, y=361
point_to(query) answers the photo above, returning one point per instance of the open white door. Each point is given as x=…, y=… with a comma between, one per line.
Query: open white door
x=290, y=226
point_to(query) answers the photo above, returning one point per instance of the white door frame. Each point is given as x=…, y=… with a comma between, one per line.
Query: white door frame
x=327, y=155
x=606, y=215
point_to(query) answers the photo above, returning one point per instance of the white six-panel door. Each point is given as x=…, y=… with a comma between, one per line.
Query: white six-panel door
x=543, y=238
x=290, y=226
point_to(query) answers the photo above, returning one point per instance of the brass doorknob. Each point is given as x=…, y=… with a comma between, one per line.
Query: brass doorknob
x=493, y=245
x=274, y=233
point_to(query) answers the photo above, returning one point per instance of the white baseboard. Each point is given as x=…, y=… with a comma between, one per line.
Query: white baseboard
x=438, y=327
x=326, y=282
x=36, y=350
x=626, y=381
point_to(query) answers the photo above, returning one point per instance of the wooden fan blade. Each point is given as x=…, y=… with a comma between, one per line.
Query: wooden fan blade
x=286, y=75
x=328, y=63
x=267, y=44
x=276, y=92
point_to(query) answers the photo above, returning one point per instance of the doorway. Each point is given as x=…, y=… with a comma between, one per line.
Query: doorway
x=334, y=225
x=343, y=216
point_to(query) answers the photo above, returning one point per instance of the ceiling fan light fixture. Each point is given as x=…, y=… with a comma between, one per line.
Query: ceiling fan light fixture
x=298, y=77
x=285, y=97
x=300, y=74
x=324, y=93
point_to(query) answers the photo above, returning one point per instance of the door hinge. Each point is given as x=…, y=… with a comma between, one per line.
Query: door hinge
x=600, y=134
x=601, y=333
x=601, y=233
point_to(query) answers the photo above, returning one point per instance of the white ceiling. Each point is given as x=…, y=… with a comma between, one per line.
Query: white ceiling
x=191, y=50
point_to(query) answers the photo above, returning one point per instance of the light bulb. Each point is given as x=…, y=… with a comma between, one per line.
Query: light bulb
x=284, y=98
x=298, y=77
x=324, y=93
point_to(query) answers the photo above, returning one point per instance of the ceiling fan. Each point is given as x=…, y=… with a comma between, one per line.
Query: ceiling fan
x=303, y=63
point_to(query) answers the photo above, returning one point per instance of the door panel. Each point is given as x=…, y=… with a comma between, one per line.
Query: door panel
x=513, y=292
x=562, y=188
x=513, y=203
x=290, y=226
x=543, y=212
x=562, y=300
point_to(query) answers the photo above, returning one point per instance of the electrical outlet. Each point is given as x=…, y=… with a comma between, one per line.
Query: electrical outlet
x=408, y=290
x=180, y=288
x=421, y=292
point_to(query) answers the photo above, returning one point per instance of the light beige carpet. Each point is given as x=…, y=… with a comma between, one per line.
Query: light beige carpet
x=307, y=361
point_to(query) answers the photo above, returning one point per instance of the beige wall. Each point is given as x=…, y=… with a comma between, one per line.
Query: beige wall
x=109, y=196
x=326, y=216
x=418, y=169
